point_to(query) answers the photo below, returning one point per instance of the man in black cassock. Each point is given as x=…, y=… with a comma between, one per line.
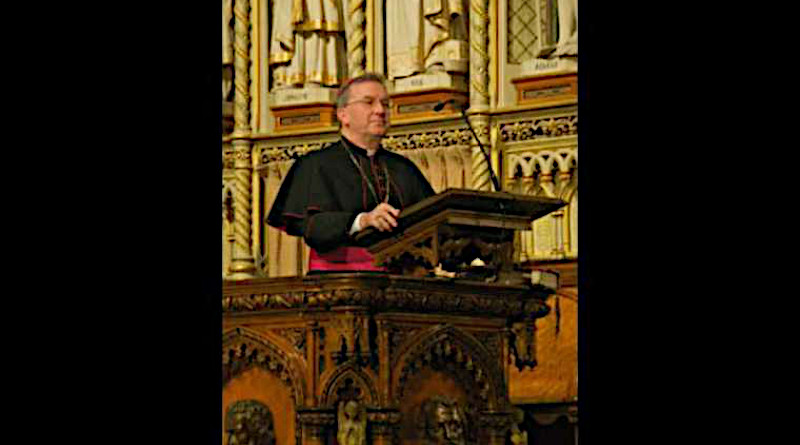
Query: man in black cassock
x=331, y=194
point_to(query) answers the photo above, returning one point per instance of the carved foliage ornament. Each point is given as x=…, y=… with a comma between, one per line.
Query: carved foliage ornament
x=394, y=299
x=243, y=350
x=295, y=336
x=253, y=302
x=287, y=152
x=539, y=128
x=430, y=139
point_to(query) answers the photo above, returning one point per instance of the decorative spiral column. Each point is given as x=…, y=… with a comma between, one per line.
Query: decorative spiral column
x=356, y=57
x=242, y=264
x=479, y=90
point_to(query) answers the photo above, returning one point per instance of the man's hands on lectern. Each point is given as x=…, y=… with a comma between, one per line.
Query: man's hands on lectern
x=383, y=217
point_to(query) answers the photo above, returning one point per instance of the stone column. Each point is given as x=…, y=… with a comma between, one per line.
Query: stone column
x=356, y=56
x=242, y=264
x=479, y=90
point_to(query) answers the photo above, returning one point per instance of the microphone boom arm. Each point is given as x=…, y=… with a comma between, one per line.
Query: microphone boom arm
x=495, y=182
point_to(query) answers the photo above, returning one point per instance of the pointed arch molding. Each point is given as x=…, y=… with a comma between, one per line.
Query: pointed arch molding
x=447, y=347
x=243, y=349
x=339, y=379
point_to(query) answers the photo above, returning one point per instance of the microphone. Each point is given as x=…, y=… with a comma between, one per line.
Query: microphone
x=463, y=106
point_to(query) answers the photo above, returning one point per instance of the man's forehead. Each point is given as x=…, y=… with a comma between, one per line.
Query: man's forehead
x=368, y=88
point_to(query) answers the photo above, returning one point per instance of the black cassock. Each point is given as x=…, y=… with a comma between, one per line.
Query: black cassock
x=324, y=191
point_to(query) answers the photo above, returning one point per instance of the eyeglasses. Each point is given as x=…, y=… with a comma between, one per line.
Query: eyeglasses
x=371, y=101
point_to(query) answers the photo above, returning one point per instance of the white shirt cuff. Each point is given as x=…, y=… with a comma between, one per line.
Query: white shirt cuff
x=356, y=227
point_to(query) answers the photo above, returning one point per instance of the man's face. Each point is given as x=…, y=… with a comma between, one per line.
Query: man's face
x=366, y=113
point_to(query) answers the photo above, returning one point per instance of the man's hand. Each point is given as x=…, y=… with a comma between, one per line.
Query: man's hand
x=383, y=217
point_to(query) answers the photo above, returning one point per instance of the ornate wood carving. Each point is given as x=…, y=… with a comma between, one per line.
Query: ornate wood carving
x=523, y=344
x=242, y=350
x=375, y=339
x=539, y=128
x=442, y=420
x=295, y=336
x=461, y=356
x=423, y=295
x=350, y=383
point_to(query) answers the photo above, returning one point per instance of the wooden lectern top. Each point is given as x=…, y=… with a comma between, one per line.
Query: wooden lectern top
x=454, y=228
x=495, y=206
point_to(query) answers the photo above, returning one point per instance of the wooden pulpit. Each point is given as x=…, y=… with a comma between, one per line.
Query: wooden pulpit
x=415, y=356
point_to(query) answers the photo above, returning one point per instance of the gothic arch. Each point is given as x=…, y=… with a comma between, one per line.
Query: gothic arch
x=567, y=158
x=356, y=378
x=243, y=349
x=479, y=372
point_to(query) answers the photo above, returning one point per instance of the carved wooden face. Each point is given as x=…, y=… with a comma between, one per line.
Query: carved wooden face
x=450, y=421
x=445, y=422
x=250, y=423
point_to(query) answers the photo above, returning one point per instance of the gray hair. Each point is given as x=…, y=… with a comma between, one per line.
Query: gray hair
x=344, y=91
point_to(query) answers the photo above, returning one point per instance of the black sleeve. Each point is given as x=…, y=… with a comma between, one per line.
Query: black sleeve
x=304, y=207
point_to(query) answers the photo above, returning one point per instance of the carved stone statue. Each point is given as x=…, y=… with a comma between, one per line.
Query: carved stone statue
x=431, y=37
x=352, y=423
x=307, y=43
x=249, y=422
x=567, y=28
x=443, y=421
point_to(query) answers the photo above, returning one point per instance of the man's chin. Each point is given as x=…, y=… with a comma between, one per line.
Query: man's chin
x=378, y=132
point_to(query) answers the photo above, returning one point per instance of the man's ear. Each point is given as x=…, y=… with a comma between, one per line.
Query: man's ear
x=340, y=115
